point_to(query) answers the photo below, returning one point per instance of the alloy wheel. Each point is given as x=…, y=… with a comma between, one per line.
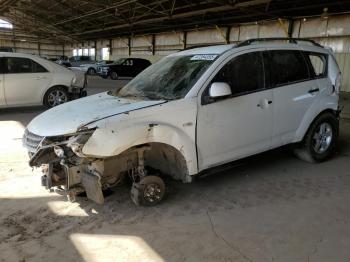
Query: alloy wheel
x=322, y=138
x=57, y=97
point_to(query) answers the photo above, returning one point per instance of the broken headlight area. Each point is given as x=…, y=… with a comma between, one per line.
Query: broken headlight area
x=62, y=162
x=55, y=149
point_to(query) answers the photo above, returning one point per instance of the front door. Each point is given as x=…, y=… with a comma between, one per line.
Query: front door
x=239, y=125
x=25, y=81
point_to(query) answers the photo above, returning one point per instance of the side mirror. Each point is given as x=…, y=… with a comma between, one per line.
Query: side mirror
x=219, y=89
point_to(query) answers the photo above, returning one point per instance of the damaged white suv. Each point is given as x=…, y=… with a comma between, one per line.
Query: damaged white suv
x=191, y=112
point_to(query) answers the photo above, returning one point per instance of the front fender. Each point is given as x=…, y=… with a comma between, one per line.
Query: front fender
x=107, y=142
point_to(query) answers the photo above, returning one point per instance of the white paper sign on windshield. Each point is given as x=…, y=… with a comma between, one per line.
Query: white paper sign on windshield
x=204, y=57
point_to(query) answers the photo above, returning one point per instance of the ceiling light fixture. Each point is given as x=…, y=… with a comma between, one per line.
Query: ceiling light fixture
x=325, y=13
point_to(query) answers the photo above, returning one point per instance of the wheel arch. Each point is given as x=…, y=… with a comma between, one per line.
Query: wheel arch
x=164, y=138
x=89, y=68
x=303, y=129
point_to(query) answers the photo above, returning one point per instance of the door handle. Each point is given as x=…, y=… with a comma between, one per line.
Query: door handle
x=311, y=91
x=40, y=77
x=264, y=103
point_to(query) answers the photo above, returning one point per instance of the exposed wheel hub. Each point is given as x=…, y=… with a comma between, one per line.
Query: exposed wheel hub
x=152, y=193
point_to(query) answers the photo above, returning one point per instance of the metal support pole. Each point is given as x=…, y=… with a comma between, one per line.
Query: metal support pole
x=129, y=45
x=184, y=40
x=290, y=28
x=153, y=44
x=110, y=47
x=39, y=51
x=95, y=43
x=228, y=34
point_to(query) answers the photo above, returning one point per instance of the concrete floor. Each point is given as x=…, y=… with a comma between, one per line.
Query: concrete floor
x=275, y=208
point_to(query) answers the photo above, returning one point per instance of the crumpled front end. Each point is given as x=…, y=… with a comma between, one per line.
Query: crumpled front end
x=65, y=169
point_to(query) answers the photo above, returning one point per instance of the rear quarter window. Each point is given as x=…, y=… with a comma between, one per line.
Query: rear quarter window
x=318, y=64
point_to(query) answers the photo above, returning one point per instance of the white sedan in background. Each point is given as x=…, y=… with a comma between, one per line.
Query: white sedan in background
x=91, y=69
x=28, y=80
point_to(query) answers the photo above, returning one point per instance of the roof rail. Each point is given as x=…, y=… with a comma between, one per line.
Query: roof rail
x=198, y=46
x=290, y=40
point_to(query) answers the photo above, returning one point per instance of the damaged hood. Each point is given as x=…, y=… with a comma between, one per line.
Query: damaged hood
x=67, y=118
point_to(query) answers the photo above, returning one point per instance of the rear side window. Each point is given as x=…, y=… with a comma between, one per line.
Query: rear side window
x=17, y=65
x=37, y=68
x=129, y=62
x=318, y=64
x=244, y=73
x=287, y=66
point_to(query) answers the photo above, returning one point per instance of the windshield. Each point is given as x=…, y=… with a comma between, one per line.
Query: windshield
x=170, y=78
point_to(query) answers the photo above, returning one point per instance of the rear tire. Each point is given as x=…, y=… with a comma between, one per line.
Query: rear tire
x=320, y=140
x=113, y=75
x=55, y=96
x=91, y=71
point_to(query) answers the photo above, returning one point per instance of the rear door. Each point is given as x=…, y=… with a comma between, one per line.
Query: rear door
x=25, y=81
x=139, y=66
x=294, y=91
x=128, y=68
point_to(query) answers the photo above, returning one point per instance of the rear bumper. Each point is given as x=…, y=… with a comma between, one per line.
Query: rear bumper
x=78, y=92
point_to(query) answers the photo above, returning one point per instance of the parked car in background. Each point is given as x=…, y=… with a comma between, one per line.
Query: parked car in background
x=76, y=61
x=91, y=69
x=6, y=49
x=123, y=67
x=63, y=60
x=189, y=113
x=28, y=80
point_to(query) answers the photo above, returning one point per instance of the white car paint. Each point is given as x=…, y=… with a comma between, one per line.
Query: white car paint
x=28, y=89
x=65, y=119
x=206, y=135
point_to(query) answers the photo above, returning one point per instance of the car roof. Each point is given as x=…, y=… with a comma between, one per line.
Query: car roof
x=220, y=49
x=18, y=55
x=140, y=59
x=208, y=50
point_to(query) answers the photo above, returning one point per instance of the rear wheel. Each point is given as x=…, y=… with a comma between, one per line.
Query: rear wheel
x=55, y=96
x=114, y=75
x=320, y=140
x=91, y=71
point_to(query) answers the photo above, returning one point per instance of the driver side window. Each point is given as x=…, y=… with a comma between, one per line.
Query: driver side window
x=244, y=74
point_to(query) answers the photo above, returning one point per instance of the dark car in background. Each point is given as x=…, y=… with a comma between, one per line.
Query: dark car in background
x=123, y=67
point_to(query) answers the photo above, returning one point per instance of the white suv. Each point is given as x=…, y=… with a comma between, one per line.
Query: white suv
x=191, y=112
x=28, y=80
